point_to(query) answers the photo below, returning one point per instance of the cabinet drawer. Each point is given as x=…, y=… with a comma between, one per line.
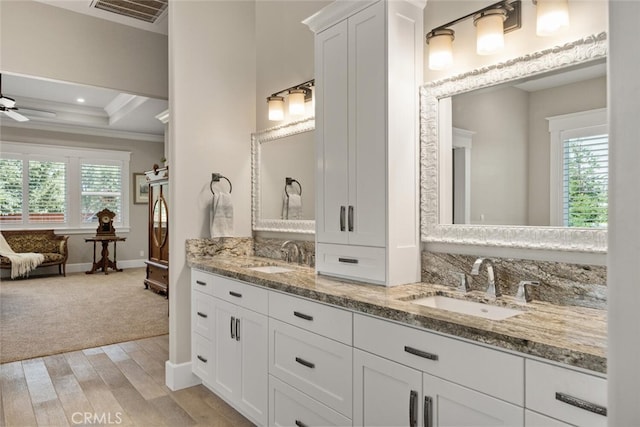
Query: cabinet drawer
x=202, y=281
x=316, y=365
x=202, y=354
x=202, y=314
x=565, y=394
x=158, y=274
x=353, y=262
x=289, y=407
x=490, y=371
x=242, y=294
x=330, y=322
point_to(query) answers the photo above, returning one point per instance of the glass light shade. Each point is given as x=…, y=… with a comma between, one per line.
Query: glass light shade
x=296, y=102
x=440, y=49
x=551, y=15
x=276, y=107
x=489, y=31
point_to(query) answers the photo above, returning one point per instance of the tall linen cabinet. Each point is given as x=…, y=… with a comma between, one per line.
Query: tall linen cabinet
x=368, y=69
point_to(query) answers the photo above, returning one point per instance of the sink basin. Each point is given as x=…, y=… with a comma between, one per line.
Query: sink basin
x=271, y=269
x=472, y=308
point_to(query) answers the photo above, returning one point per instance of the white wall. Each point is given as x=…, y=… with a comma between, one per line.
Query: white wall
x=624, y=214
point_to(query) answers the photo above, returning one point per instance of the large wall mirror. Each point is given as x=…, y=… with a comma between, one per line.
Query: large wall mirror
x=283, y=178
x=515, y=154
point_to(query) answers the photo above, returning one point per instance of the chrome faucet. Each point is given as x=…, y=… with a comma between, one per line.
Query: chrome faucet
x=523, y=294
x=493, y=290
x=286, y=253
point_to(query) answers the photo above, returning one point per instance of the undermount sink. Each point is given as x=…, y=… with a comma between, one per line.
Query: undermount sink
x=271, y=269
x=472, y=308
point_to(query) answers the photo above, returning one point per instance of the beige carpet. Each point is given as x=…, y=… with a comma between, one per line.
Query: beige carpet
x=54, y=314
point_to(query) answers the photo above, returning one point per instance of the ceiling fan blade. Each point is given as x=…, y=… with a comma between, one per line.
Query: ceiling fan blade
x=7, y=102
x=15, y=116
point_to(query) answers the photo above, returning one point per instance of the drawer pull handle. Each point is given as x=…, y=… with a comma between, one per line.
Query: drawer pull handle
x=203, y=315
x=582, y=404
x=420, y=353
x=302, y=315
x=305, y=363
x=201, y=283
x=203, y=359
x=428, y=411
x=235, y=294
x=238, y=329
x=233, y=325
x=413, y=410
x=300, y=424
x=348, y=260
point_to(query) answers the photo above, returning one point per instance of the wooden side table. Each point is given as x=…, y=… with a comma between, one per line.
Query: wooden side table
x=105, y=263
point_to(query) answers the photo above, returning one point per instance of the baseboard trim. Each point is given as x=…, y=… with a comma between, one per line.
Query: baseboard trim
x=179, y=376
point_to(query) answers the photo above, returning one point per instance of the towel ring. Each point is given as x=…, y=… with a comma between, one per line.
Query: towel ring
x=289, y=181
x=215, y=177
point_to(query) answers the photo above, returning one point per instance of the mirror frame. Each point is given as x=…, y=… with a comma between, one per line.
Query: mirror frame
x=257, y=139
x=581, y=51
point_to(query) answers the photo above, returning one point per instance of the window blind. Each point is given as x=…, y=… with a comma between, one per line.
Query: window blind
x=47, y=191
x=101, y=187
x=585, y=181
x=10, y=190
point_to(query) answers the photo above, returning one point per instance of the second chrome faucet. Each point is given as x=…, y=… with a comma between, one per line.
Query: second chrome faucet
x=493, y=290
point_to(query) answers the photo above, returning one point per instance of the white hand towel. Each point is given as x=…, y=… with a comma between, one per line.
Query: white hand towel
x=21, y=263
x=221, y=215
x=294, y=207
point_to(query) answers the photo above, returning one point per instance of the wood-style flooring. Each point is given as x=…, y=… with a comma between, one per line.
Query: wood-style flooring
x=117, y=385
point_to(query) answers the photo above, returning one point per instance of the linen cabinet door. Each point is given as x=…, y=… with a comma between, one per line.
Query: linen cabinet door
x=385, y=393
x=226, y=350
x=331, y=134
x=446, y=404
x=252, y=334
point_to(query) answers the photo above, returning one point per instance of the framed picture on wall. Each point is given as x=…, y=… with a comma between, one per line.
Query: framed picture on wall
x=140, y=189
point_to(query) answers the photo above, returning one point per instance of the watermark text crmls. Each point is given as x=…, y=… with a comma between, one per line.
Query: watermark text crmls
x=97, y=418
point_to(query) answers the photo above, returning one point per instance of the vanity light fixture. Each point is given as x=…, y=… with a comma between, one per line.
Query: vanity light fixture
x=297, y=96
x=551, y=16
x=489, y=31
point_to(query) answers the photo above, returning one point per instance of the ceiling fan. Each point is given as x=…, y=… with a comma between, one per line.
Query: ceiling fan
x=8, y=106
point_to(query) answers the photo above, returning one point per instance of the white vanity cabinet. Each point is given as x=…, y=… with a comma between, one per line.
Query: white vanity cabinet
x=425, y=379
x=230, y=341
x=310, y=362
x=367, y=138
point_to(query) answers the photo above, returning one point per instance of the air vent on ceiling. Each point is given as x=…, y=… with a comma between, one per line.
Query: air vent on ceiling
x=144, y=10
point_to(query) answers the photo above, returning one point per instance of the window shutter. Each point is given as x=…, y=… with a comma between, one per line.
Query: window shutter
x=47, y=191
x=585, y=181
x=10, y=191
x=101, y=187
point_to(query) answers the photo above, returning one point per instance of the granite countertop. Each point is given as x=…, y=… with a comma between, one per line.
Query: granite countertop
x=572, y=335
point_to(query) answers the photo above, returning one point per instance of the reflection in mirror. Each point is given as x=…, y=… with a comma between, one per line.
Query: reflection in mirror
x=283, y=178
x=498, y=152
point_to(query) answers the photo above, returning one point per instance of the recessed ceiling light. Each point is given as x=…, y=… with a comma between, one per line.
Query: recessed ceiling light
x=80, y=100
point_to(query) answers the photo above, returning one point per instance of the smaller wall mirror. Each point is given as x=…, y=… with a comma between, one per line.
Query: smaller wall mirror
x=283, y=178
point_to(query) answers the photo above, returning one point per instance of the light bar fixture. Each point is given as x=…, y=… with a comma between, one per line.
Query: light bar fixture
x=297, y=96
x=492, y=22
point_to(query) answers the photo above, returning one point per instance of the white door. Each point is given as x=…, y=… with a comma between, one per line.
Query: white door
x=367, y=127
x=226, y=351
x=254, y=362
x=446, y=404
x=331, y=134
x=385, y=393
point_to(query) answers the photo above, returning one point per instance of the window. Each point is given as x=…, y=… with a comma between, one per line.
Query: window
x=61, y=187
x=579, y=169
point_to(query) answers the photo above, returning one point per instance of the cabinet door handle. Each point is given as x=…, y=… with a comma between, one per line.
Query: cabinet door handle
x=305, y=363
x=235, y=294
x=413, y=416
x=203, y=315
x=428, y=411
x=342, y=213
x=201, y=283
x=303, y=316
x=233, y=325
x=300, y=424
x=420, y=353
x=203, y=359
x=350, y=218
x=348, y=260
x=582, y=404
x=238, y=329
